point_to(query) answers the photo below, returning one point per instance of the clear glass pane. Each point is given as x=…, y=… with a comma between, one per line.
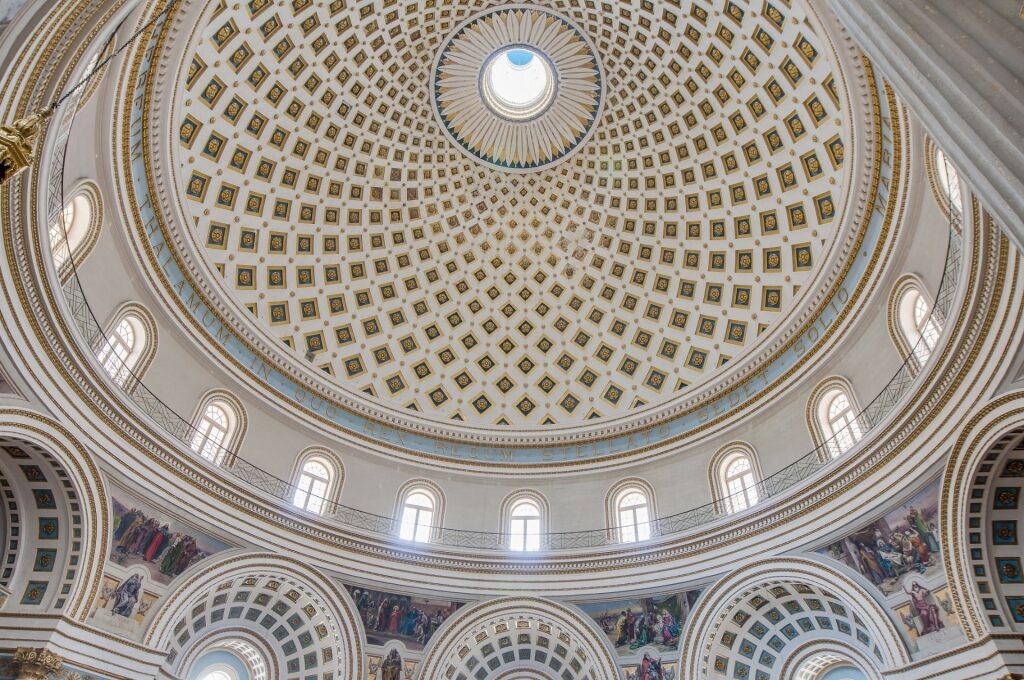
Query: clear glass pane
x=643, y=523
x=423, y=521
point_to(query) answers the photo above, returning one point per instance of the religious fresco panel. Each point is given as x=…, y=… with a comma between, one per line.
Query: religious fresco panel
x=409, y=619
x=651, y=667
x=163, y=545
x=632, y=624
x=900, y=554
x=149, y=549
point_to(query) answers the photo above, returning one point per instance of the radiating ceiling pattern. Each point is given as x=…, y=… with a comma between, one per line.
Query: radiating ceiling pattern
x=337, y=210
x=545, y=128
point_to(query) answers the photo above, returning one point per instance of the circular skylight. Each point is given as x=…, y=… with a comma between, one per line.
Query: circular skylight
x=518, y=83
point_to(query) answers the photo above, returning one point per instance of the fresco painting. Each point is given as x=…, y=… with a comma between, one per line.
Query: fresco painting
x=650, y=621
x=899, y=553
x=165, y=546
x=651, y=667
x=411, y=620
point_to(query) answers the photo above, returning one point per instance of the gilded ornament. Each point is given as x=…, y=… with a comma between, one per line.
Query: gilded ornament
x=36, y=663
x=17, y=144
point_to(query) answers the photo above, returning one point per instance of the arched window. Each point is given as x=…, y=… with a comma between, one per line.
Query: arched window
x=217, y=427
x=317, y=475
x=524, y=518
x=633, y=514
x=524, y=525
x=210, y=433
x=314, y=483
x=75, y=229
x=919, y=326
x=631, y=510
x=735, y=473
x=949, y=182
x=128, y=346
x=115, y=352
x=417, y=519
x=838, y=421
x=739, y=484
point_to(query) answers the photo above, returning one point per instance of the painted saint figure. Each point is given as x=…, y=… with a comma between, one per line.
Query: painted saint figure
x=927, y=610
x=126, y=595
x=391, y=669
x=650, y=669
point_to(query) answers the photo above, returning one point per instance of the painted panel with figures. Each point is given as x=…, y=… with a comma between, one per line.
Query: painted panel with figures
x=900, y=554
x=410, y=620
x=651, y=667
x=164, y=546
x=389, y=667
x=632, y=624
x=148, y=549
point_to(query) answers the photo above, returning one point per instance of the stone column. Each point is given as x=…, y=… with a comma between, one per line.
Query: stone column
x=959, y=67
x=35, y=663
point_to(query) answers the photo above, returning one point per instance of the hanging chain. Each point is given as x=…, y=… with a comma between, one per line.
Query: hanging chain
x=113, y=55
x=18, y=140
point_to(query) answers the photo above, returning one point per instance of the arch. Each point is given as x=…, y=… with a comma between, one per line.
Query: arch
x=734, y=474
x=413, y=522
x=817, y=659
x=945, y=181
x=128, y=345
x=914, y=324
x=70, y=473
x=833, y=417
x=219, y=671
x=317, y=490
x=296, y=600
x=218, y=427
x=522, y=634
x=75, y=230
x=525, y=519
x=756, y=594
x=252, y=650
x=971, y=512
x=627, y=523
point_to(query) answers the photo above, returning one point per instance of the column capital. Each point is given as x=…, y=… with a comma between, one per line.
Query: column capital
x=36, y=663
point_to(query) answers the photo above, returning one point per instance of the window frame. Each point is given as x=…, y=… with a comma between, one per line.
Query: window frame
x=916, y=337
x=822, y=422
x=313, y=498
x=81, y=235
x=533, y=527
x=613, y=500
x=127, y=371
x=225, y=448
x=722, y=489
x=335, y=478
x=631, y=526
x=432, y=528
x=421, y=531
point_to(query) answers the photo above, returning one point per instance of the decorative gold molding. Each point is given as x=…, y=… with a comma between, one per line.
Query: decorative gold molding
x=36, y=663
x=18, y=142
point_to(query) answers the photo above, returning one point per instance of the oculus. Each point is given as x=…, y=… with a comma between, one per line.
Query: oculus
x=518, y=83
x=518, y=88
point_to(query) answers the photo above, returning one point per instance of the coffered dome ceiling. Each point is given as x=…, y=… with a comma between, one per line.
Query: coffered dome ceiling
x=669, y=195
